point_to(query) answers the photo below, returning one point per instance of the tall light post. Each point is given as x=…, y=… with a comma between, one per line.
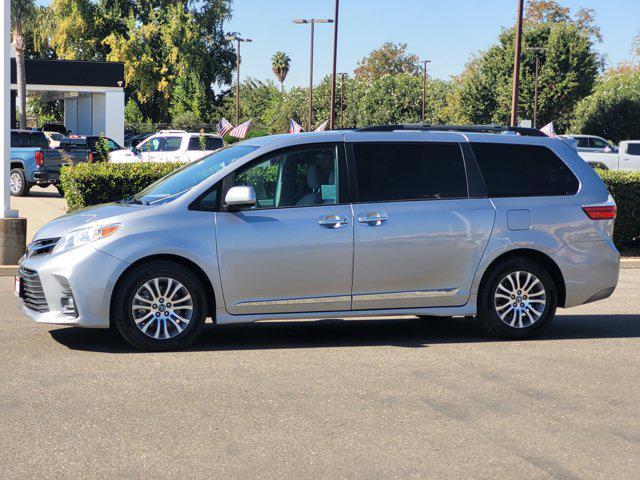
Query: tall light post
x=424, y=87
x=238, y=40
x=5, y=105
x=333, y=68
x=342, y=75
x=535, y=83
x=312, y=22
x=516, y=65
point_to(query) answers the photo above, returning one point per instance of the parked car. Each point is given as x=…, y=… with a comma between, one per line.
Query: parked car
x=55, y=127
x=87, y=146
x=31, y=160
x=170, y=146
x=627, y=157
x=592, y=143
x=333, y=225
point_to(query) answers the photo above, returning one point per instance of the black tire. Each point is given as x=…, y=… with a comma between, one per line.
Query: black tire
x=60, y=190
x=123, y=316
x=488, y=302
x=19, y=187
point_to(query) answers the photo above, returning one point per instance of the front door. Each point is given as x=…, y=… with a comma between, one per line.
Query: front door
x=292, y=252
x=418, y=236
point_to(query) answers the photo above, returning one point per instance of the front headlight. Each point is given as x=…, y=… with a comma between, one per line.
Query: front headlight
x=80, y=237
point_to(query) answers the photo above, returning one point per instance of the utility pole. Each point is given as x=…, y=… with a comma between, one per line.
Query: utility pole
x=424, y=87
x=237, y=39
x=536, y=83
x=312, y=22
x=342, y=100
x=516, y=65
x=333, y=68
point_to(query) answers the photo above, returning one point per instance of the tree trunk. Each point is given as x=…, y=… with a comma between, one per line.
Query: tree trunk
x=21, y=78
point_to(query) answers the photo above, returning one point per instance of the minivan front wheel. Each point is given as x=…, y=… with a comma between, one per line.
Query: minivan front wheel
x=160, y=306
x=518, y=299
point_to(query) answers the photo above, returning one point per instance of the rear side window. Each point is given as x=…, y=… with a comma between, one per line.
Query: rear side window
x=408, y=171
x=523, y=170
x=633, y=148
x=29, y=140
x=210, y=143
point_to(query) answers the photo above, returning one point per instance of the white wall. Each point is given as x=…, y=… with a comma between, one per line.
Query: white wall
x=114, y=116
x=99, y=112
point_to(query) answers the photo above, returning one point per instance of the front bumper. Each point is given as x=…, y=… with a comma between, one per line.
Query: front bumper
x=90, y=275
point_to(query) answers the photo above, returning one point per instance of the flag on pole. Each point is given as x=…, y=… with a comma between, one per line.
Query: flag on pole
x=295, y=127
x=241, y=130
x=548, y=130
x=224, y=127
x=323, y=126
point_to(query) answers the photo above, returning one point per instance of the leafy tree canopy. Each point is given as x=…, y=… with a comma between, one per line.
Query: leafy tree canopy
x=389, y=59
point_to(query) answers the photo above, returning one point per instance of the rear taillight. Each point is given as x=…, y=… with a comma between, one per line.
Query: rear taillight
x=600, y=212
x=39, y=158
x=90, y=157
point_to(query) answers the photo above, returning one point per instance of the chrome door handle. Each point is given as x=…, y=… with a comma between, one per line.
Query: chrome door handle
x=333, y=221
x=374, y=218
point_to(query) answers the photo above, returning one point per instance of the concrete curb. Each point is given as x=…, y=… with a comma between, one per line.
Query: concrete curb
x=8, y=270
x=625, y=263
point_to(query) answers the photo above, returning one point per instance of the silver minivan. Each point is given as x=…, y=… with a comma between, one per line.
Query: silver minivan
x=382, y=221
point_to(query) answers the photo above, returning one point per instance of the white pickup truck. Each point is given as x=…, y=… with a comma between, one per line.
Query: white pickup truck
x=626, y=158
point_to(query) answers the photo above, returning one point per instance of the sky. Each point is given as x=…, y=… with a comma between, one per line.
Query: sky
x=447, y=32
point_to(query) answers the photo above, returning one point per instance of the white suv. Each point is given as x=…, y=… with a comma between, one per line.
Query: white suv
x=170, y=146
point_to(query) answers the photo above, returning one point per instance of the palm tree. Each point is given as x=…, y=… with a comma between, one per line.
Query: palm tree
x=22, y=11
x=280, y=63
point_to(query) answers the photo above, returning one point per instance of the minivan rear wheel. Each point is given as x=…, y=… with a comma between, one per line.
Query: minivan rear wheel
x=517, y=299
x=160, y=306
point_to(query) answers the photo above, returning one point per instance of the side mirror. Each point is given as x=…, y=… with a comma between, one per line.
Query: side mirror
x=134, y=150
x=241, y=196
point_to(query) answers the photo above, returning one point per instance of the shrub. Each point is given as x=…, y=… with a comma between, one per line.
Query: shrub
x=625, y=189
x=88, y=184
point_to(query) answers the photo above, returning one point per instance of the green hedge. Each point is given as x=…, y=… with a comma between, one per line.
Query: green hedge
x=89, y=184
x=93, y=183
x=625, y=189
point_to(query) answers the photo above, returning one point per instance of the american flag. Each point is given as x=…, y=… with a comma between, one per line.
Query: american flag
x=323, y=126
x=548, y=130
x=224, y=127
x=241, y=130
x=295, y=127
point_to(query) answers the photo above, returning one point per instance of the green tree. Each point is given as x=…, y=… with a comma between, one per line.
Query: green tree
x=280, y=64
x=389, y=59
x=613, y=109
x=569, y=69
x=22, y=13
x=133, y=117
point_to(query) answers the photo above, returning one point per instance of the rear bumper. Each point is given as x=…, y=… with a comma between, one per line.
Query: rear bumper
x=590, y=270
x=43, y=177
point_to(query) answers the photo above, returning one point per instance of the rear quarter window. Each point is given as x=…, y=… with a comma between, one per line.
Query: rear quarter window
x=512, y=170
x=633, y=149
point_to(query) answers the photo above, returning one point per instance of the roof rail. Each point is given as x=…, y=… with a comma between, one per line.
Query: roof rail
x=529, y=132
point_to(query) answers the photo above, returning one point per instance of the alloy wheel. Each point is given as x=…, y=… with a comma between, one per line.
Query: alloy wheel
x=162, y=308
x=15, y=183
x=520, y=299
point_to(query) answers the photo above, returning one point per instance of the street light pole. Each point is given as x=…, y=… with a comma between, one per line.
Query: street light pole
x=516, y=65
x=237, y=39
x=424, y=88
x=342, y=100
x=536, y=83
x=333, y=68
x=312, y=22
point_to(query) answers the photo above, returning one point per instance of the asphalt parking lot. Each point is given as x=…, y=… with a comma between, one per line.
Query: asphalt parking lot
x=380, y=398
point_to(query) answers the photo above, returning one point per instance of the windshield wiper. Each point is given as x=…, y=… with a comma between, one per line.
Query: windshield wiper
x=131, y=200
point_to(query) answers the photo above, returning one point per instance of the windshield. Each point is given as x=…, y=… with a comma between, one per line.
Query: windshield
x=187, y=177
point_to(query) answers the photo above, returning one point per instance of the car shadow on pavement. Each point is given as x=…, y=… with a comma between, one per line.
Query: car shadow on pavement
x=44, y=194
x=406, y=333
